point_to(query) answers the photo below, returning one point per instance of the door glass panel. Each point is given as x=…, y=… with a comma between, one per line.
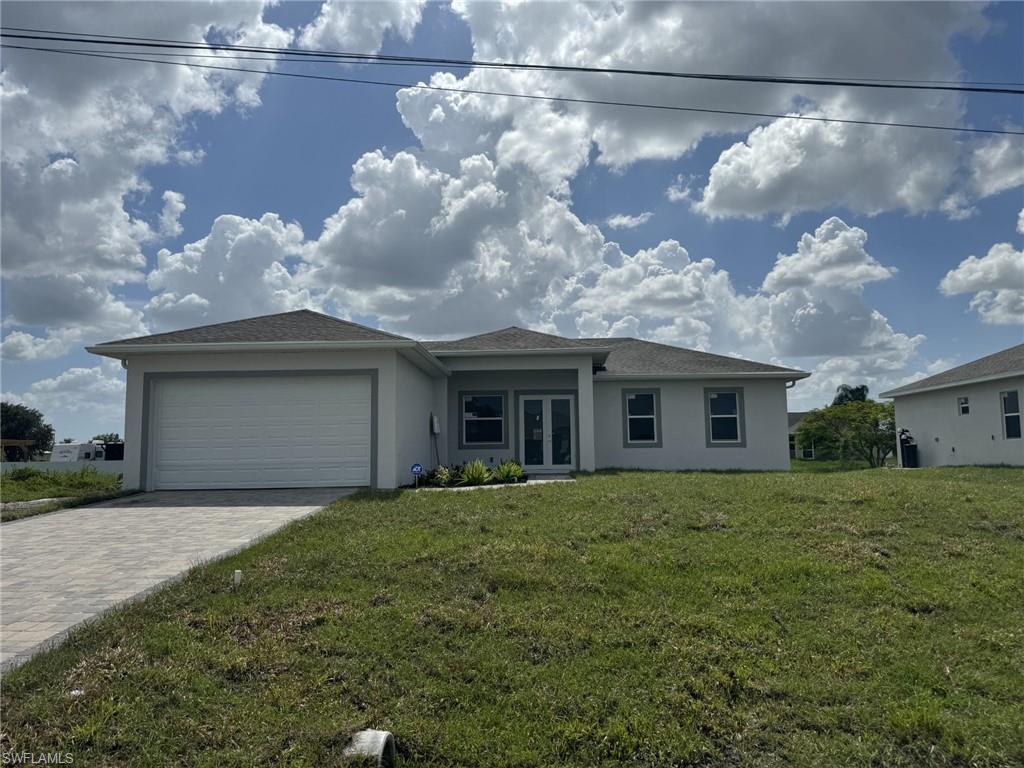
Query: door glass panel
x=533, y=432
x=561, y=431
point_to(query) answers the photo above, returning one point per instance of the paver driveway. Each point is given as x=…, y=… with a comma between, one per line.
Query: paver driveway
x=62, y=568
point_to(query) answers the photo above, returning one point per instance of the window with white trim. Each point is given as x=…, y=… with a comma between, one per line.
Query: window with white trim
x=483, y=419
x=963, y=406
x=724, y=414
x=642, y=417
x=1011, y=414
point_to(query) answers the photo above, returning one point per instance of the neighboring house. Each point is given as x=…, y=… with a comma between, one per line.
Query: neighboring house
x=796, y=418
x=966, y=415
x=304, y=399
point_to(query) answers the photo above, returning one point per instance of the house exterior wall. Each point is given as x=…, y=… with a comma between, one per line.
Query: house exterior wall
x=417, y=397
x=508, y=383
x=683, y=436
x=383, y=362
x=945, y=438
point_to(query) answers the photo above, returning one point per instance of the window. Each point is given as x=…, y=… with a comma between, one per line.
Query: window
x=483, y=419
x=792, y=445
x=808, y=453
x=641, y=418
x=724, y=422
x=963, y=405
x=1011, y=414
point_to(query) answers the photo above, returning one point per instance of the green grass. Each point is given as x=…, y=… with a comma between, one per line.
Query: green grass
x=641, y=619
x=80, y=487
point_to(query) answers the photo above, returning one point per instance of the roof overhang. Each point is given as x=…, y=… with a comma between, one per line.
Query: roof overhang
x=893, y=393
x=781, y=375
x=591, y=351
x=412, y=349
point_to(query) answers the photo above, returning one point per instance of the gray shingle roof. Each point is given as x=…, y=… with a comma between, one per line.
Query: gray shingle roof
x=301, y=325
x=636, y=357
x=511, y=338
x=1008, y=361
x=795, y=417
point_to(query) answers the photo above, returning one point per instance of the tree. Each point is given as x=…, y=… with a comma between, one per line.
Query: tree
x=861, y=429
x=107, y=437
x=67, y=440
x=847, y=394
x=19, y=422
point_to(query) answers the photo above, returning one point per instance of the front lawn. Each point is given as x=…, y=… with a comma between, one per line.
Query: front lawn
x=859, y=618
x=79, y=487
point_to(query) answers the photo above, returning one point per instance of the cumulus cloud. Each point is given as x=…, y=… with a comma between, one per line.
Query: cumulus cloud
x=997, y=165
x=361, y=27
x=996, y=281
x=97, y=391
x=627, y=221
x=78, y=135
x=237, y=270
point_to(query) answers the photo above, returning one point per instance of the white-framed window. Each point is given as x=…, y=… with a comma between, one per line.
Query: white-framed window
x=808, y=453
x=641, y=417
x=483, y=418
x=1010, y=402
x=963, y=406
x=724, y=409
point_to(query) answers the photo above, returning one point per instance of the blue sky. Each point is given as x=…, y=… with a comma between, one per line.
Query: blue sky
x=520, y=229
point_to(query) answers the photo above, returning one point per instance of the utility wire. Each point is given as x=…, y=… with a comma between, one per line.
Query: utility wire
x=52, y=36
x=535, y=97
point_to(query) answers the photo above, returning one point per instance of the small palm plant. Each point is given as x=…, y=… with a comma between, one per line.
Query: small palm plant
x=508, y=472
x=474, y=473
x=441, y=476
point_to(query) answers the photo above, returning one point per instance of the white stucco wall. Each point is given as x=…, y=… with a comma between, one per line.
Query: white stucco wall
x=385, y=362
x=414, y=404
x=944, y=437
x=507, y=382
x=684, y=440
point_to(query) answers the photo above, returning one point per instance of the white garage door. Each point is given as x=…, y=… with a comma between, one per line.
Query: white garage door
x=266, y=432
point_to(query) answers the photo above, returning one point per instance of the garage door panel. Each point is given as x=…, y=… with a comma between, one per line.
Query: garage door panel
x=251, y=432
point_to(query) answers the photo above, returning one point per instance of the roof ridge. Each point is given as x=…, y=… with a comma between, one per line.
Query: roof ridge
x=714, y=354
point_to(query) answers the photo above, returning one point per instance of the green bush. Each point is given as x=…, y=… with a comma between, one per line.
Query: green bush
x=23, y=474
x=26, y=483
x=508, y=472
x=474, y=473
x=440, y=476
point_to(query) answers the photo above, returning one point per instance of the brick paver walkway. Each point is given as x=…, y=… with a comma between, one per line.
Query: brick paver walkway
x=62, y=568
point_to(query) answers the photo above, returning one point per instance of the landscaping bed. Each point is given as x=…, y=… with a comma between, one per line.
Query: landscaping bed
x=641, y=619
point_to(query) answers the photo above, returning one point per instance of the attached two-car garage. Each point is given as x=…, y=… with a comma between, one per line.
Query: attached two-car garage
x=260, y=431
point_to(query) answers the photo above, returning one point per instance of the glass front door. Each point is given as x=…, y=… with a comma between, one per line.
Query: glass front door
x=547, y=438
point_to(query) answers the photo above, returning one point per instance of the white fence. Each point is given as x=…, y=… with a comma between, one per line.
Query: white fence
x=109, y=467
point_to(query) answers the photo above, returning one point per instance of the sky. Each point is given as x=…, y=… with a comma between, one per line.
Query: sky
x=140, y=197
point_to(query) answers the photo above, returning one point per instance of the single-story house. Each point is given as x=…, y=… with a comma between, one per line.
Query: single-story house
x=796, y=418
x=305, y=399
x=966, y=415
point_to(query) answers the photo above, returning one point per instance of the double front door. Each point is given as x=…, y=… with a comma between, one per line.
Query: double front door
x=547, y=438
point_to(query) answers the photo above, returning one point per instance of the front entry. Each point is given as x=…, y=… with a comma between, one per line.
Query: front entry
x=547, y=438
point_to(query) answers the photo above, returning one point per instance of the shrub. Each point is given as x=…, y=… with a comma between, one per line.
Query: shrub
x=22, y=474
x=440, y=476
x=508, y=472
x=474, y=473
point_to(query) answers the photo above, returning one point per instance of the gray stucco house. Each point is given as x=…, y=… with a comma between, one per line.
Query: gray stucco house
x=970, y=414
x=305, y=399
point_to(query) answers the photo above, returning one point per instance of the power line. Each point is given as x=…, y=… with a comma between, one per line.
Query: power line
x=535, y=97
x=152, y=42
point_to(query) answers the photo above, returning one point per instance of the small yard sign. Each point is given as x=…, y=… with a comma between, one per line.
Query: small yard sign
x=417, y=469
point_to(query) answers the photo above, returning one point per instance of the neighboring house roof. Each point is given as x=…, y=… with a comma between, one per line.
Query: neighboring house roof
x=633, y=357
x=511, y=338
x=300, y=325
x=795, y=417
x=1008, y=362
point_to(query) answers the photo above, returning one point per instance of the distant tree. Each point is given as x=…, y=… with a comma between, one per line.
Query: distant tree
x=107, y=437
x=856, y=429
x=19, y=422
x=67, y=440
x=847, y=394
